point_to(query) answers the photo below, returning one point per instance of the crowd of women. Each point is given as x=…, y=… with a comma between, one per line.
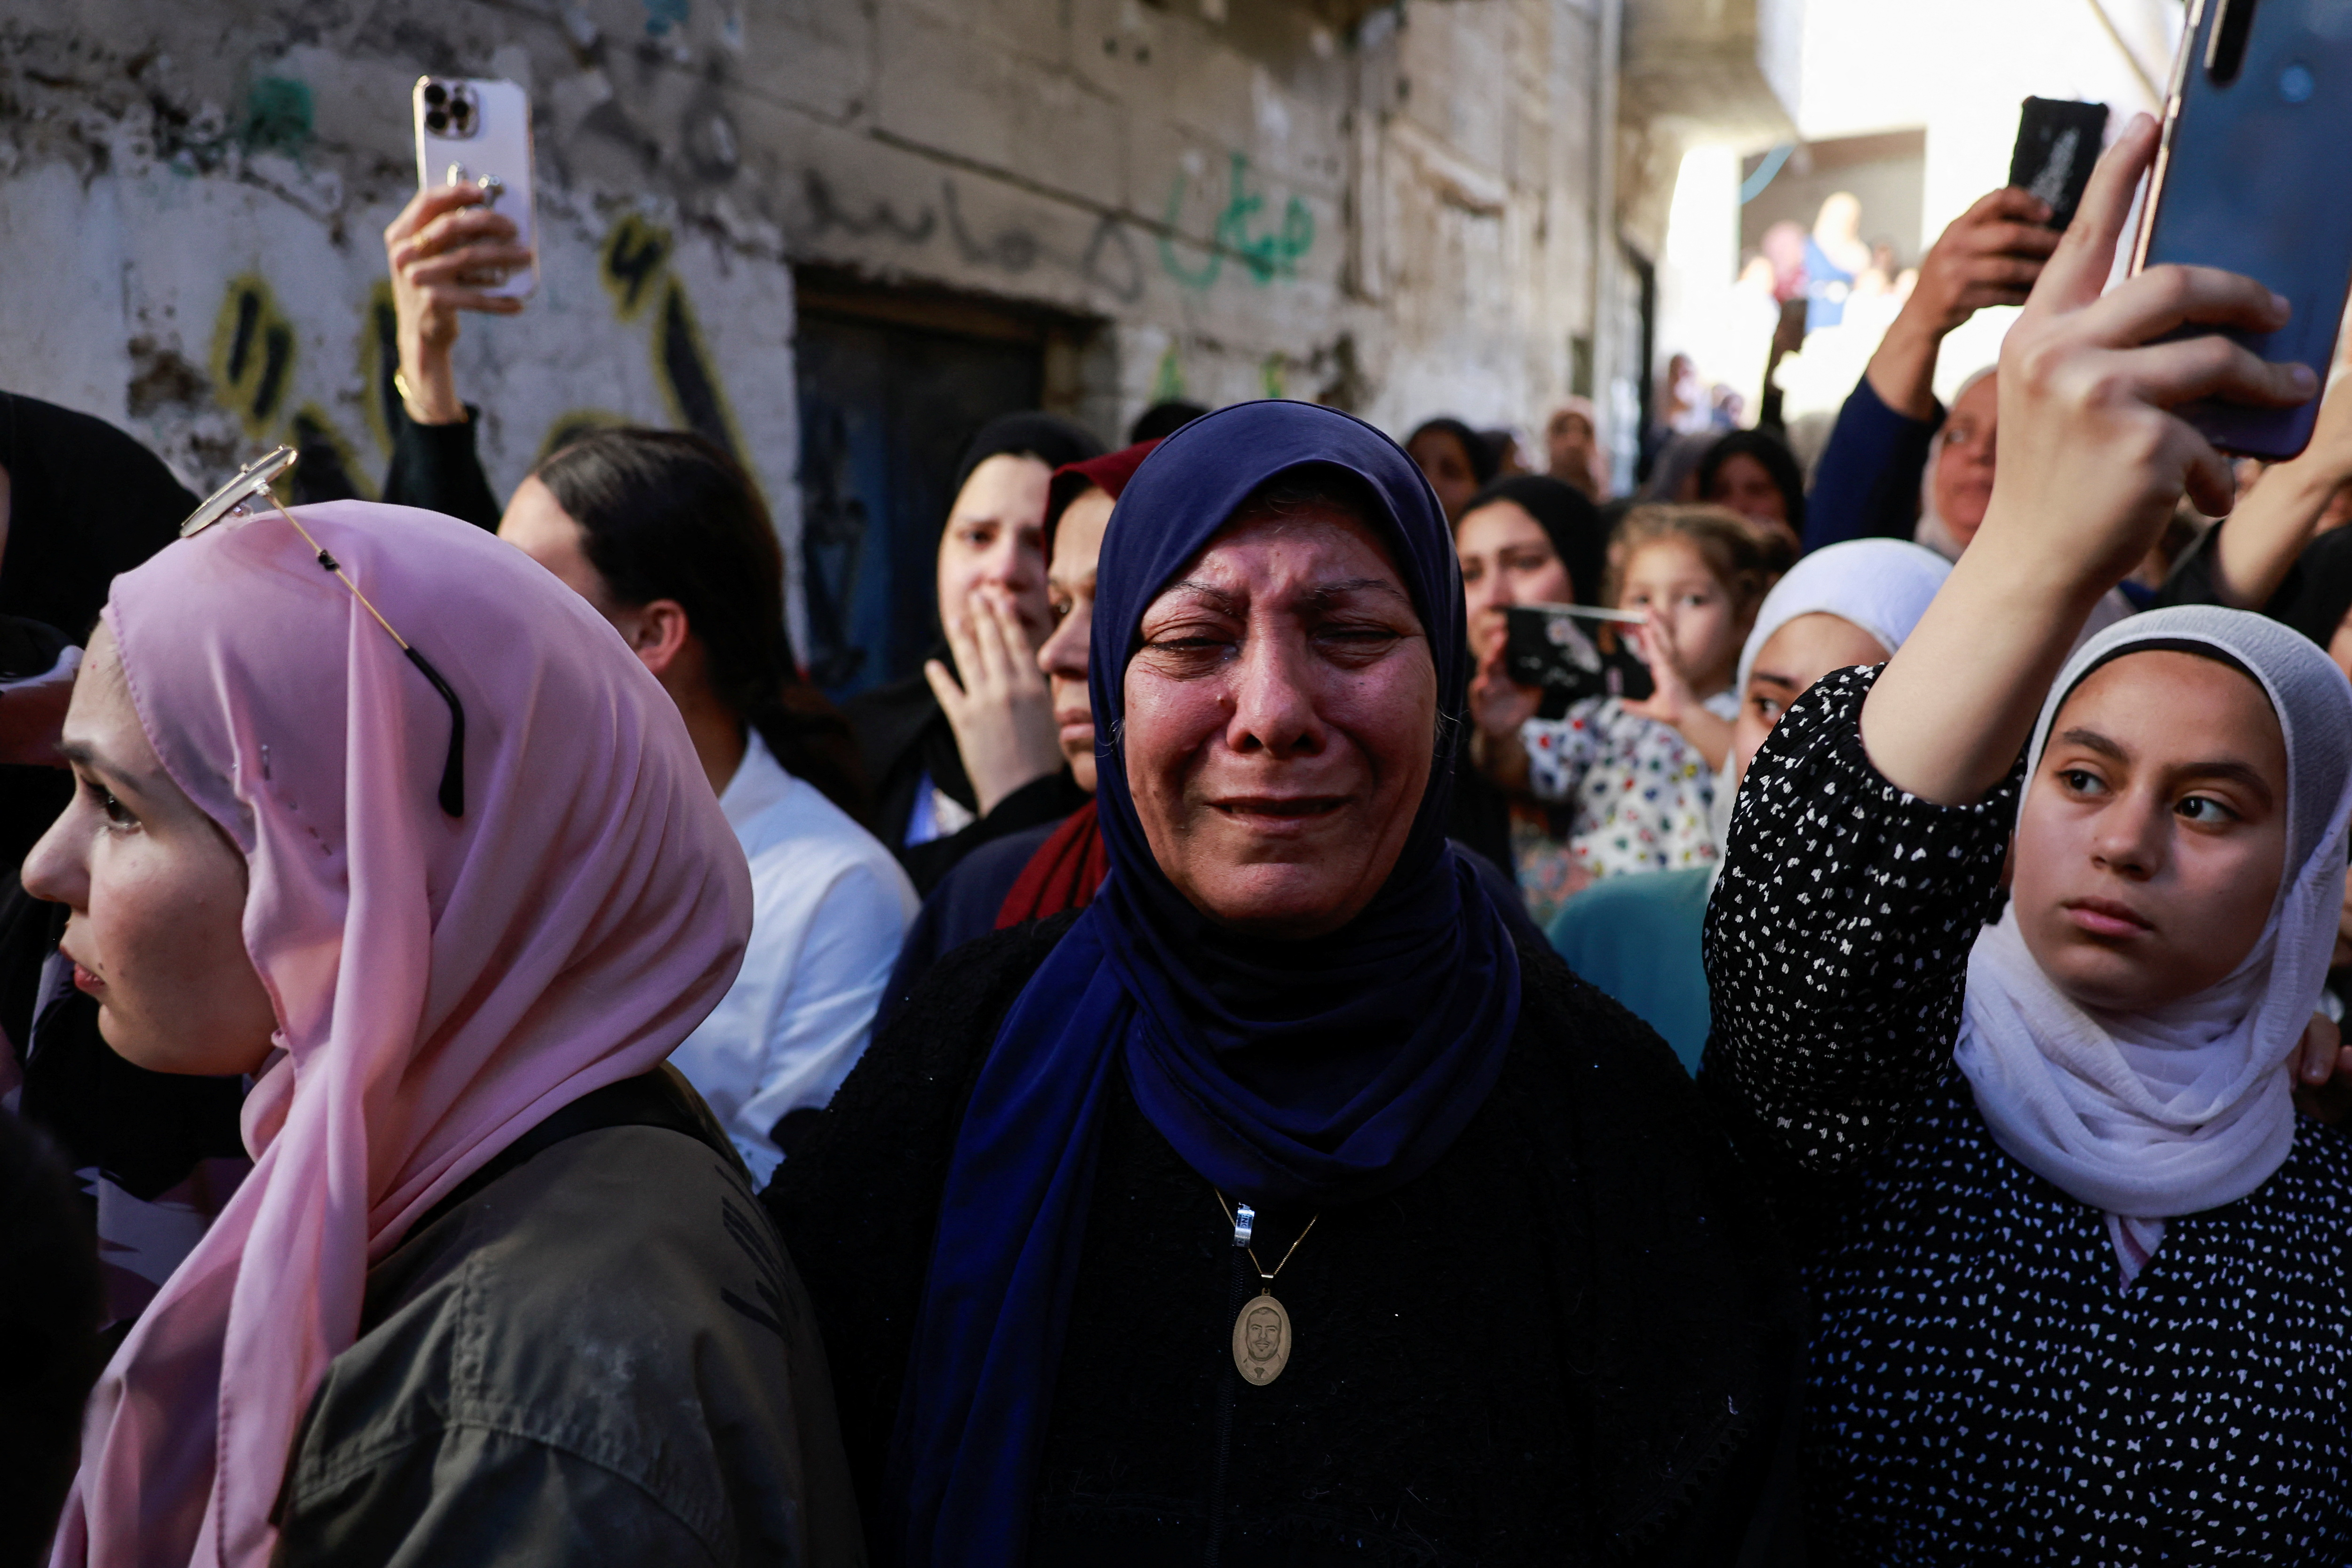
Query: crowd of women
x=1217, y=1067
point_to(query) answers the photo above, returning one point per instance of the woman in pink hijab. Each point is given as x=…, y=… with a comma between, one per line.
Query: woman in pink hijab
x=494, y=1290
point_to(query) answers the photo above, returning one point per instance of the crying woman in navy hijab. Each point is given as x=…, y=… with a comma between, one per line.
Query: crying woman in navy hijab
x=1281, y=1205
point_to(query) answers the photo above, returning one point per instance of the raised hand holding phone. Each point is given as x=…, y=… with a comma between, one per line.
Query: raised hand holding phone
x=442, y=250
x=2093, y=459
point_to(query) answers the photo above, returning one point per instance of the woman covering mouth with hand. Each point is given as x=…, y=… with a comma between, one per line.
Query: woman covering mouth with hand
x=1285, y=1134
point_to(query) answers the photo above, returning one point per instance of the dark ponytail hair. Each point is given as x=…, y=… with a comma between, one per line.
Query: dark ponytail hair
x=668, y=515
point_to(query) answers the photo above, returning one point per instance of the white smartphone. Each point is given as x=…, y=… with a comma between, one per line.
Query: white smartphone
x=472, y=132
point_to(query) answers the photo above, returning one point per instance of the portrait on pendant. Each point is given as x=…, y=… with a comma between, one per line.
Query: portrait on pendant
x=1262, y=1341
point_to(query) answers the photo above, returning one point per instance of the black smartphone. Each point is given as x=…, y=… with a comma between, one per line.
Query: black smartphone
x=1573, y=651
x=2058, y=140
x=2248, y=180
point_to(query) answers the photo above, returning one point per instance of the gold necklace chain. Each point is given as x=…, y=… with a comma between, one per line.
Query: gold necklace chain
x=1251, y=1251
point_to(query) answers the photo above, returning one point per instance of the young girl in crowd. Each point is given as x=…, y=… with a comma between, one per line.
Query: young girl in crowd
x=2079, y=1269
x=1627, y=791
x=496, y=1290
x=1637, y=937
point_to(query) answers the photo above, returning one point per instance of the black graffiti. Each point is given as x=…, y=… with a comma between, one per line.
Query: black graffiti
x=679, y=353
x=633, y=254
x=1110, y=262
x=1012, y=251
x=825, y=214
x=274, y=340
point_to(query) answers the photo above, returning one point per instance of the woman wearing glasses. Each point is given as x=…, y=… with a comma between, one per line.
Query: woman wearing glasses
x=496, y=1289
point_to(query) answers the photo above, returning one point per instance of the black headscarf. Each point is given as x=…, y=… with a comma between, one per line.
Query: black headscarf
x=1567, y=518
x=1325, y=1071
x=2318, y=595
x=1050, y=439
x=1482, y=457
x=1777, y=460
x=85, y=503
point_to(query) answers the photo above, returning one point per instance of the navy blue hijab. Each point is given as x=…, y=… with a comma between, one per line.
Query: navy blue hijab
x=1299, y=1074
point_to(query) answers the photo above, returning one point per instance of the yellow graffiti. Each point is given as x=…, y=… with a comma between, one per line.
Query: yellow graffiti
x=329, y=465
x=379, y=356
x=630, y=260
x=252, y=354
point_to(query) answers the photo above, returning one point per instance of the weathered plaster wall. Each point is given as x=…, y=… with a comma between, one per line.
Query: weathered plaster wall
x=1405, y=209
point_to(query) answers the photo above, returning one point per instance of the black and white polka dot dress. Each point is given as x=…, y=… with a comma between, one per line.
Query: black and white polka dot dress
x=1982, y=1386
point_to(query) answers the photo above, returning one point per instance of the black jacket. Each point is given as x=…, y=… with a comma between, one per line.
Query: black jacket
x=903, y=738
x=1573, y=1339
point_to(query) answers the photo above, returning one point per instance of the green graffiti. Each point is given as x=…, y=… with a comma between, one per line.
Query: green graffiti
x=1266, y=256
x=1167, y=380
x=277, y=115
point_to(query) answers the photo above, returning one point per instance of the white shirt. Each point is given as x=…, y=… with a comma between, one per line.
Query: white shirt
x=829, y=909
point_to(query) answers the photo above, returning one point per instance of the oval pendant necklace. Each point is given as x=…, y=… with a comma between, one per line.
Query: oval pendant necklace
x=1262, y=1333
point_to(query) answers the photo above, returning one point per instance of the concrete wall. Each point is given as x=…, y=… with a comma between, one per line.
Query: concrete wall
x=1403, y=209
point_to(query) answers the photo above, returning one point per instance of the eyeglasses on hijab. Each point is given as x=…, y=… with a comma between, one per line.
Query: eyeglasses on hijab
x=252, y=483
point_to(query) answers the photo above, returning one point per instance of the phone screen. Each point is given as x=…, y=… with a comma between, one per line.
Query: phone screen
x=2057, y=143
x=1551, y=648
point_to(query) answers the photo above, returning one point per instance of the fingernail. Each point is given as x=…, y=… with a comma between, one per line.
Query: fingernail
x=2305, y=380
x=2281, y=305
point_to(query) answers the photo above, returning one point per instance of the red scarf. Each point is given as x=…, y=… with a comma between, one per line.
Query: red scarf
x=1063, y=875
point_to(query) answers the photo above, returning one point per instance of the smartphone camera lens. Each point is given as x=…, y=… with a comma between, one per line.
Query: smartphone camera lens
x=436, y=122
x=436, y=94
x=2225, y=47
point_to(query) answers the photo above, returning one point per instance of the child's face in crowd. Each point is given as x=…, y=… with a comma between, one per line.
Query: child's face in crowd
x=1790, y=660
x=1070, y=589
x=1507, y=559
x=1280, y=721
x=995, y=541
x=157, y=893
x=2154, y=834
x=1965, y=465
x=1672, y=576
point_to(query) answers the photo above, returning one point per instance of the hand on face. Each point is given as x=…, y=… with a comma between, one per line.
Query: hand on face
x=2093, y=460
x=1281, y=721
x=2153, y=839
x=996, y=537
x=993, y=609
x=1002, y=713
x=157, y=892
x=1692, y=642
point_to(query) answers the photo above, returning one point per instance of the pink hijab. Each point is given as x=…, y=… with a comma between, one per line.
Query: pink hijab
x=442, y=984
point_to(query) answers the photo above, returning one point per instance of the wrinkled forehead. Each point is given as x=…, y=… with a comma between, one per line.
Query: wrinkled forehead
x=1308, y=544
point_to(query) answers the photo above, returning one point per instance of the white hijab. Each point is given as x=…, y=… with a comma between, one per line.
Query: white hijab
x=2188, y=1107
x=1882, y=585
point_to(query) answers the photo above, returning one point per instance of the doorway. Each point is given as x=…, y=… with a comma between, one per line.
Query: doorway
x=892, y=387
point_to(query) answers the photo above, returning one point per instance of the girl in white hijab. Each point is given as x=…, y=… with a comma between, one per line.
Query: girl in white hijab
x=1965, y=1130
